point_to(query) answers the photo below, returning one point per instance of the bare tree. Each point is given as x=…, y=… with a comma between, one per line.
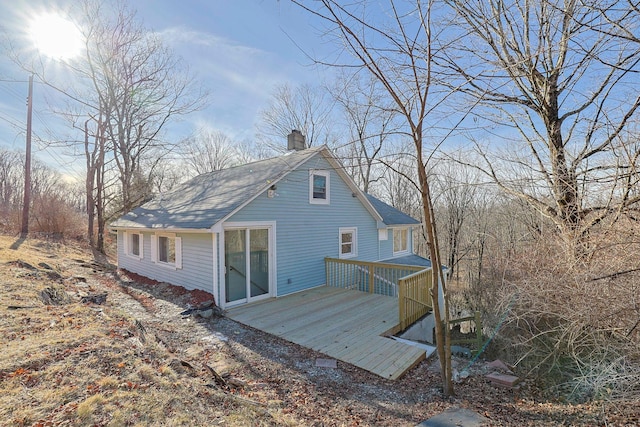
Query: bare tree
x=455, y=194
x=139, y=86
x=557, y=73
x=11, y=179
x=208, y=151
x=305, y=108
x=398, y=54
x=370, y=122
x=54, y=203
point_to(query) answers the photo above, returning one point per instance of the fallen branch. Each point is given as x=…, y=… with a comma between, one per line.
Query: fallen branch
x=216, y=376
x=614, y=275
x=20, y=307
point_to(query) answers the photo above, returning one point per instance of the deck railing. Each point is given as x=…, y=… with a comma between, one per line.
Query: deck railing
x=477, y=340
x=414, y=298
x=409, y=283
x=374, y=277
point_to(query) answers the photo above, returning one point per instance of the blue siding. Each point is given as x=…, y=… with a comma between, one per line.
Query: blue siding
x=386, y=246
x=307, y=233
x=197, y=262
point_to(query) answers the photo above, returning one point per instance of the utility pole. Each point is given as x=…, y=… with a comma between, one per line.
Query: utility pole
x=27, y=165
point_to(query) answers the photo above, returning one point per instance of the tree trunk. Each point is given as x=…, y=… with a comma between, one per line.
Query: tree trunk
x=100, y=202
x=89, y=185
x=440, y=313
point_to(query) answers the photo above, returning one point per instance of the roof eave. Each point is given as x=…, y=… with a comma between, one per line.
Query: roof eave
x=157, y=229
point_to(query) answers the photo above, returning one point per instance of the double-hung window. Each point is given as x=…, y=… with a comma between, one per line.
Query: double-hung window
x=167, y=250
x=400, y=241
x=319, y=187
x=133, y=244
x=348, y=242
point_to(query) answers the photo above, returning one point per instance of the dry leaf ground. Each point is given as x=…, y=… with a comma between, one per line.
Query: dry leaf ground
x=134, y=360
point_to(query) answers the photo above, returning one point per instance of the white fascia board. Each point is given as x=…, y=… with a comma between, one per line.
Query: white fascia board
x=161, y=230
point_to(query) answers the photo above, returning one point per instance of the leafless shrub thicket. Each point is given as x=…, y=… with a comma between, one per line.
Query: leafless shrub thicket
x=575, y=326
x=56, y=209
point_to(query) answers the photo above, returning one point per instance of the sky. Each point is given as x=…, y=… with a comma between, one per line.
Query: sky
x=239, y=50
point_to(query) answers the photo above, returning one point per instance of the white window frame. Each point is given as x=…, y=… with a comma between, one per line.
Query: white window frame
x=128, y=244
x=405, y=250
x=327, y=175
x=155, y=248
x=354, y=242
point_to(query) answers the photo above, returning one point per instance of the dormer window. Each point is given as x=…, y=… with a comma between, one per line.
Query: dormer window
x=319, y=187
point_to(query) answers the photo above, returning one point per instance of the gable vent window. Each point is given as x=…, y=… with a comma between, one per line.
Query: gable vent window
x=319, y=187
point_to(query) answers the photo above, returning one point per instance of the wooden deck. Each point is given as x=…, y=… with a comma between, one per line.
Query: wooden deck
x=344, y=324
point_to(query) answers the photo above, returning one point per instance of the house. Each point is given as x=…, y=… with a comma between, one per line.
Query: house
x=262, y=229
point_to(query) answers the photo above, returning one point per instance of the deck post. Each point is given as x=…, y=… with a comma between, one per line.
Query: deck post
x=372, y=272
x=326, y=272
x=478, y=329
x=401, y=303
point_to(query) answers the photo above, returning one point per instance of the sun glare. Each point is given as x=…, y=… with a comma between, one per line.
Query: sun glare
x=55, y=36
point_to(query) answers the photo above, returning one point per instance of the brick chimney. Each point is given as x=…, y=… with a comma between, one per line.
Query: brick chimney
x=296, y=141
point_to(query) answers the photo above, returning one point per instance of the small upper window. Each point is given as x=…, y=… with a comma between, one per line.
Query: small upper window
x=319, y=187
x=133, y=244
x=348, y=242
x=400, y=240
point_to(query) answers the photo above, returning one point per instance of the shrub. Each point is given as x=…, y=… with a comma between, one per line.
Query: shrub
x=574, y=325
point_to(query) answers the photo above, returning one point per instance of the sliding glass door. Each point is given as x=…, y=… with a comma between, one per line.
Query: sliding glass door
x=247, y=265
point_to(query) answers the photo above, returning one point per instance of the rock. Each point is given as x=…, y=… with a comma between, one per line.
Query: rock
x=460, y=351
x=54, y=296
x=205, y=305
x=95, y=298
x=503, y=380
x=455, y=416
x=459, y=376
x=23, y=264
x=53, y=275
x=205, y=314
x=45, y=266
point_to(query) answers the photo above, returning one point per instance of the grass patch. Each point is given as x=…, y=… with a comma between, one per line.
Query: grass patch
x=64, y=361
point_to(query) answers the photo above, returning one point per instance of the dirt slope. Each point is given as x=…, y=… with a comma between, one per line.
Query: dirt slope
x=134, y=360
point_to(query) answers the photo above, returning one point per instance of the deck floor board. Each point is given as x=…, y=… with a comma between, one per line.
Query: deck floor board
x=346, y=325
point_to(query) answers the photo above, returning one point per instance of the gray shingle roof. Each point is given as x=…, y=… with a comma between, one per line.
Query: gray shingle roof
x=390, y=215
x=206, y=199
x=412, y=259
